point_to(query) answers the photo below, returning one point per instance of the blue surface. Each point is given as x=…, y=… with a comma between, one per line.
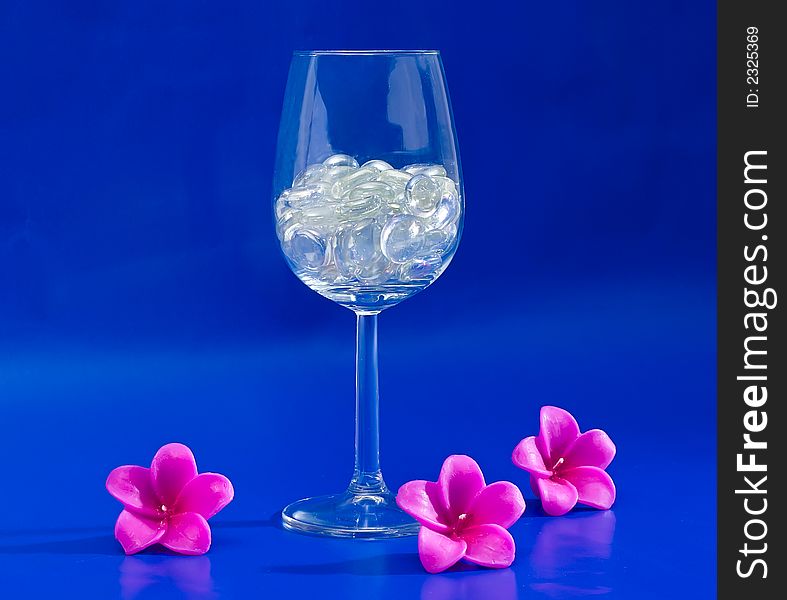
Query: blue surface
x=143, y=298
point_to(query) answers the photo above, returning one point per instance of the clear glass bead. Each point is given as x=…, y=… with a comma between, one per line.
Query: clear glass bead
x=340, y=160
x=402, y=238
x=378, y=189
x=307, y=250
x=377, y=165
x=287, y=222
x=314, y=193
x=396, y=205
x=335, y=173
x=422, y=194
x=376, y=271
x=357, y=245
x=447, y=211
x=344, y=184
x=365, y=200
x=447, y=184
x=421, y=269
x=280, y=206
x=425, y=169
x=396, y=179
x=439, y=241
x=322, y=217
x=311, y=174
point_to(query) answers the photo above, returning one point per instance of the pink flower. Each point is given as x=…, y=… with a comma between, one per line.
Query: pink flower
x=567, y=466
x=462, y=517
x=168, y=503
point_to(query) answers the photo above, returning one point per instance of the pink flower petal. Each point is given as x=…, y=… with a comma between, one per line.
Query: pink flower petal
x=136, y=533
x=172, y=468
x=423, y=501
x=534, y=485
x=557, y=495
x=489, y=546
x=500, y=503
x=206, y=495
x=460, y=480
x=558, y=430
x=594, y=486
x=527, y=456
x=132, y=486
x=591, y=449
x=437, y=551
x=187, y=533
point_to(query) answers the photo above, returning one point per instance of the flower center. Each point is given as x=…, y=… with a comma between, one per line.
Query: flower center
x=559, y=462
x=163, y=508
x=461, y=522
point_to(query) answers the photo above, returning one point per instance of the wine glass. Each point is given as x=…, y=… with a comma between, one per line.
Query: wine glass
x=369, y=207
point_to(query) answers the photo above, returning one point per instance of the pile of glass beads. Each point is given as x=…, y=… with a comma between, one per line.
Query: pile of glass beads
x=342, y=223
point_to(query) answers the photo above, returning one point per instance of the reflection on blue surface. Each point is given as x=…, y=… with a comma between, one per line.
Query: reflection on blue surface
x=374, y=565
x=499, y=585
x=188, y=574
x=576, y=545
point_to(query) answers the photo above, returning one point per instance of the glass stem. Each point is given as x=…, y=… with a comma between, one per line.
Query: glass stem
x=367, y=477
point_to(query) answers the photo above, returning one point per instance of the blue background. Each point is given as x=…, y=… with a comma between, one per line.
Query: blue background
x=143, y=298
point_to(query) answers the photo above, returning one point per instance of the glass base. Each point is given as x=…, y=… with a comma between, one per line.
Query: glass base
x=348, y=515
